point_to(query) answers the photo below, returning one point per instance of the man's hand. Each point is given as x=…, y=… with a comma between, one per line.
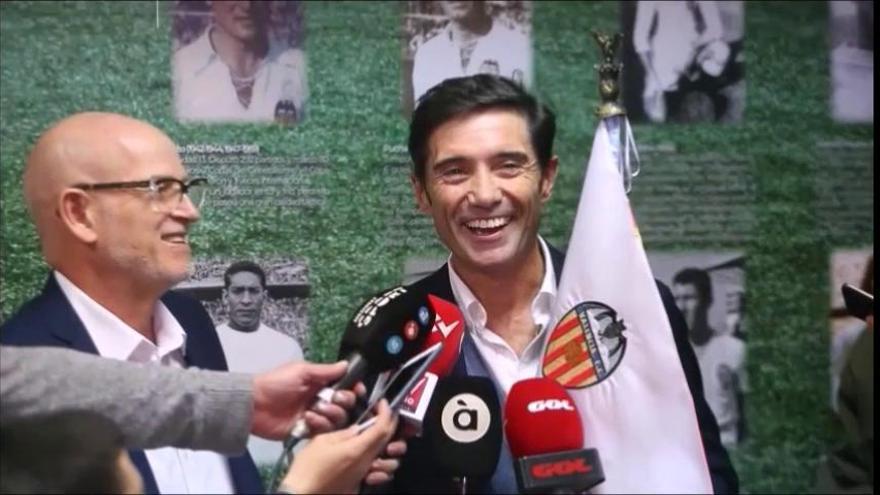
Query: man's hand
x=284, y=393
x=383, y=468
x=337, y=462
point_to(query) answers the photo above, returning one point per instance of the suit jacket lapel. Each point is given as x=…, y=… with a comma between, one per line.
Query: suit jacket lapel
x=66, y=327
x=64, y=323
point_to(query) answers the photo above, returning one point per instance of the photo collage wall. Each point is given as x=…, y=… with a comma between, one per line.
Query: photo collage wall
x=754, y=130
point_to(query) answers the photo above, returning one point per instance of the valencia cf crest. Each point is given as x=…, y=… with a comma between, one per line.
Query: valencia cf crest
x=586, y=346
x=285, y=112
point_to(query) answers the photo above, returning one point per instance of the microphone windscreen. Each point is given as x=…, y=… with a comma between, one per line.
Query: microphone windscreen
x=540, y=418
x=449, y=329
x=388, y=329
x=463, y=427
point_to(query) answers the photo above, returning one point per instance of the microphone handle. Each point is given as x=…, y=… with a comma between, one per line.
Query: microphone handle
x=357, y=369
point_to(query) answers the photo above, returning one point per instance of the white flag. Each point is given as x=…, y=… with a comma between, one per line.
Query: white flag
x=613, y=347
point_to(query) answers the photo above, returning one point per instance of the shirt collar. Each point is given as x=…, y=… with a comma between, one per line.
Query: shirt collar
x=474, y=312
x=114, y=338
x=204, y=51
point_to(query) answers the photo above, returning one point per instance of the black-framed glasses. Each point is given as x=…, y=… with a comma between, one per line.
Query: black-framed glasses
x=166, y=193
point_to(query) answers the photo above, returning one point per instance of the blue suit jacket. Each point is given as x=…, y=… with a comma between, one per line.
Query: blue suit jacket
x=49, y=320
x=417, y=476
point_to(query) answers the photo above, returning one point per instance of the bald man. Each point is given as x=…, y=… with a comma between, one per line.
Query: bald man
x=112, y=205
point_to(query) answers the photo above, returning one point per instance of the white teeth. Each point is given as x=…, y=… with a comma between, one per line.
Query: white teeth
x=176, y=238
x=488, y=223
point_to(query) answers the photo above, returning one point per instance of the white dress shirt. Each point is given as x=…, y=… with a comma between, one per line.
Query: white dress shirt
x=501, y=360
x=175, y=470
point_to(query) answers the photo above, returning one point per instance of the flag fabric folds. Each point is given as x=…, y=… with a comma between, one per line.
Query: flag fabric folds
x=614, y=350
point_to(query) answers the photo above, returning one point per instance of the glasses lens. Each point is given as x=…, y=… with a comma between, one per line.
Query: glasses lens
x=197, y=191
x=166, y=194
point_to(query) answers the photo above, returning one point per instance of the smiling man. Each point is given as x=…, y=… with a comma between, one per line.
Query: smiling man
x=483, y=169
x=113, y=205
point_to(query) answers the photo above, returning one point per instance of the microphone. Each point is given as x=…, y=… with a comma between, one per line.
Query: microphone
x=386, y=331
x=448, y=329
x=546, y=439
x=464, y=428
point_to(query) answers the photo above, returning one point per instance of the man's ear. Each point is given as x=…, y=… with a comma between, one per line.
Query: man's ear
x=423, y=202
x=548, y=177
x=76, y=210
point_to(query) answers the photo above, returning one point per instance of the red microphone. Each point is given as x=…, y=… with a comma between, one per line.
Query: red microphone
x=448, y=328
x=546, y=439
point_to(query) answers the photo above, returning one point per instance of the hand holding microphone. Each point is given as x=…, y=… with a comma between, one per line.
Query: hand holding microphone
x=385, y=331
x=284, y=394
x=336, y=462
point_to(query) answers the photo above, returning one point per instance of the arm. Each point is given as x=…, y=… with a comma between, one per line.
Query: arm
x=157, y=406
x=337, y=462
x=724, y=478
x=153, y=405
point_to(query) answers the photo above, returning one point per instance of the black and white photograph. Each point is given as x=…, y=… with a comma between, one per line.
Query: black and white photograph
x=709, y=289
x=683, y=61
x=239, y=62
x=446, y=39
x=852, y=61
x=854, y=267
x=259, y=308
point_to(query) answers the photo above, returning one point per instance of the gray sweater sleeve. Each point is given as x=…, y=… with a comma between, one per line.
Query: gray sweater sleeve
x=155, y=406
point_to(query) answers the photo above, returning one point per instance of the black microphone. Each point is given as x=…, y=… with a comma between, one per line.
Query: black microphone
x=387, y=330
x=463, y=428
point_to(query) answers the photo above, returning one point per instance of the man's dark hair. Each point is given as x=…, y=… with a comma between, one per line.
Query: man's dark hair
x=699, y=279
x=65, y=452
x=244, y=266
x=461, y=96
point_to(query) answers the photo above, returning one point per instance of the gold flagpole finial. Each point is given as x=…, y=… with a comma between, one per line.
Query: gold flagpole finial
x=609, y=72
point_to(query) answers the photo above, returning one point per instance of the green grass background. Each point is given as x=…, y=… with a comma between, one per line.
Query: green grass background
x=56, y=59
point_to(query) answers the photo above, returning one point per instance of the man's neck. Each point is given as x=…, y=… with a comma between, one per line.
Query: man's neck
x=506, y=295
x=133, y=305
x=242, y=57
x=702, y=333
x=242, y=329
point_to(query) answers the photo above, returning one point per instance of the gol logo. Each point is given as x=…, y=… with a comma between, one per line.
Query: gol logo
x=550, y=405
x=560, y=468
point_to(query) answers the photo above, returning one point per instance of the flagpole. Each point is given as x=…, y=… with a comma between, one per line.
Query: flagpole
x=611, y=112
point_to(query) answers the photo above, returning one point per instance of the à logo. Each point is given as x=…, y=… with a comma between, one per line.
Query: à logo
x=586, y=346
x=465, y=418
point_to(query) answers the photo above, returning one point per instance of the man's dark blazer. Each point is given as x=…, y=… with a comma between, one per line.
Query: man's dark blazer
x=417, y=476
x=49, y=320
